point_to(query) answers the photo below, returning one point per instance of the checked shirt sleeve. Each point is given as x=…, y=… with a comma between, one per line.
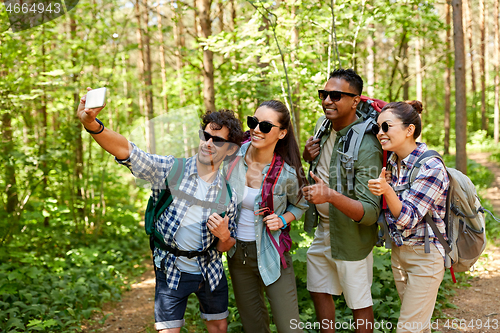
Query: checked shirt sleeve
x=430, y=187
x=149, y=167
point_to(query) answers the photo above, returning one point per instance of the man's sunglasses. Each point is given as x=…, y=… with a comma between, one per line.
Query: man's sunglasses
x=335, y=95
x=217, y=140
x=264, y=126
x=385, y=126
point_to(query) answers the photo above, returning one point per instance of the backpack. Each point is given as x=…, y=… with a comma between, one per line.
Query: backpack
x=464, y=219
x=267, y=204
x=166, y=196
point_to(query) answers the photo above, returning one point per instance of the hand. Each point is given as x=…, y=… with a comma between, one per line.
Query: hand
x=87, y=116
x=218, y=226
x=311, y=150
x=379, y=186
x=318, y=193
x=273, y=222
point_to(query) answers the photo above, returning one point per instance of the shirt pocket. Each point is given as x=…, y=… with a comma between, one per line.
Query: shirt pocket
x=280, y=205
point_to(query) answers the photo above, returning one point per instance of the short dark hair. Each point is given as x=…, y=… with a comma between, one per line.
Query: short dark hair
x=225, y=117
x=355, y=81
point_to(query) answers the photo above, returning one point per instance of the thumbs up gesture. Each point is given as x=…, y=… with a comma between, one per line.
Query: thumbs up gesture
x=379, y=186
x=317, y=193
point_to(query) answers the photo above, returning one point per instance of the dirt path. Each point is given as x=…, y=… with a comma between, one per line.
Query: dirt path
x=134, y=313
x=479, y=305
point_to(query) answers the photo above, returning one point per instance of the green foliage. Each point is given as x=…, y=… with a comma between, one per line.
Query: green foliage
x=52, y=278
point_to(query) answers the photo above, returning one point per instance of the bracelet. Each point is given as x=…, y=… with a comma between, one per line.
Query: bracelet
x=284, y=222
x=99, y=131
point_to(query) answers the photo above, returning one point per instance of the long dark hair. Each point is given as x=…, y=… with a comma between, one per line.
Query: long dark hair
x=287, y=147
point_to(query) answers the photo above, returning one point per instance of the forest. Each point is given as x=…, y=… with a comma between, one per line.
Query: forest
x=71, y=219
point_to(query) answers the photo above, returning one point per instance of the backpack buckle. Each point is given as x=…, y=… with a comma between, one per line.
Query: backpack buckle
x=221, y=208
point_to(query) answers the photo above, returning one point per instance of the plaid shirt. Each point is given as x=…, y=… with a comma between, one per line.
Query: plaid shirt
x=428, y=192
x=154, y=169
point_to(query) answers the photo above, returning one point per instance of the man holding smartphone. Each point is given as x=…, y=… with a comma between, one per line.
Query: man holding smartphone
x=195, y=236
x=340, y=259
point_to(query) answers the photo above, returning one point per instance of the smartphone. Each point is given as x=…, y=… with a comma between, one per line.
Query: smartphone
x=95, y=98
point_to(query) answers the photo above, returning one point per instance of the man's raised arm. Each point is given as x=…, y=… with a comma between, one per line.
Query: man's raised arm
x=114, y=143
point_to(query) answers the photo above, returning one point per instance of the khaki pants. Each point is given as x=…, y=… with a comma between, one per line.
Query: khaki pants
x=417, y=275
x=249, y=292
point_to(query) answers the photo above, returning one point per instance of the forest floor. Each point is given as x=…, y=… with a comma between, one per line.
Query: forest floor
x=477, y=307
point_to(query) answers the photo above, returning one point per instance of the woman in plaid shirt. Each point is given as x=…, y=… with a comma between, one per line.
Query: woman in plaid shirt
x=417, y=274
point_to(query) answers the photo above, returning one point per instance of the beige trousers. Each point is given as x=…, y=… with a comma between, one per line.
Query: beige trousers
x=417, y=275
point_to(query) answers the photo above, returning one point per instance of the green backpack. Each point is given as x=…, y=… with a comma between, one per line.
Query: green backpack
x=166, y=196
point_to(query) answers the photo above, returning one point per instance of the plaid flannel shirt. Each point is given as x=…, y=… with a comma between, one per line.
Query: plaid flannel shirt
x=154, y=169
x=427, y=193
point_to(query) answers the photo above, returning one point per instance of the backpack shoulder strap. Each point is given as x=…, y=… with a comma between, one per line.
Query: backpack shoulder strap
x=172, y=182
x=427, y=155
x=349, y=155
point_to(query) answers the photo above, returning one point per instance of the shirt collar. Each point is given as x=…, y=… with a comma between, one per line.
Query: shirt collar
x=344, y=131
x=410, y=160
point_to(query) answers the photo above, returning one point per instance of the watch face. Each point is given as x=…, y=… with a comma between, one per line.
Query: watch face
x=95, y=98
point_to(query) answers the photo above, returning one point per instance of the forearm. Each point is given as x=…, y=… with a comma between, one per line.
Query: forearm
x=289, y=217
x=393, y=202
x=350, y=207
x=225, y=245
x=114, y=143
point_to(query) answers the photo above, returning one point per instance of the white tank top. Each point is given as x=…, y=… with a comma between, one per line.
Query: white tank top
x=246, y=226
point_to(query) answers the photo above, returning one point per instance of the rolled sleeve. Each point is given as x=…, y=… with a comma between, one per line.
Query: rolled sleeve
x=294, y=195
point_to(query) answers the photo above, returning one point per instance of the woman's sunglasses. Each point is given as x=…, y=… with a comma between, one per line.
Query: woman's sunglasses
x=264, y=126
x=217, y=140
x=385, y=126
x=335, y=95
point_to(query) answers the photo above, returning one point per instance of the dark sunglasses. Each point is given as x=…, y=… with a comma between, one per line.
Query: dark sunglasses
x=335, y=95
x=217, y=140
x=385, y=126
x=264, y=126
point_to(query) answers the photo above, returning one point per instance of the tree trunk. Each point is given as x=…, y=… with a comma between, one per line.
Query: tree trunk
x=10, y=168
x=294, y=58
x=140, y=57
x=482, y=59
x=148, y=81
x=232, y=26
x=79, y=189
x=42, y=111
x=406, y=86
x=144, y=61
x=180, y=44
x=447, y=79
x=460, y=88
x=497, y=68
x=220, y=14
x=472, y=60
x=208, y=56
x=162, y=62
x=370, y=61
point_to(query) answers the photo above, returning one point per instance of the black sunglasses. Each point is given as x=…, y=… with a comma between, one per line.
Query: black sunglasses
x=335, y=95
x=217, y=140
x=264, y=126
x=385, y=126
